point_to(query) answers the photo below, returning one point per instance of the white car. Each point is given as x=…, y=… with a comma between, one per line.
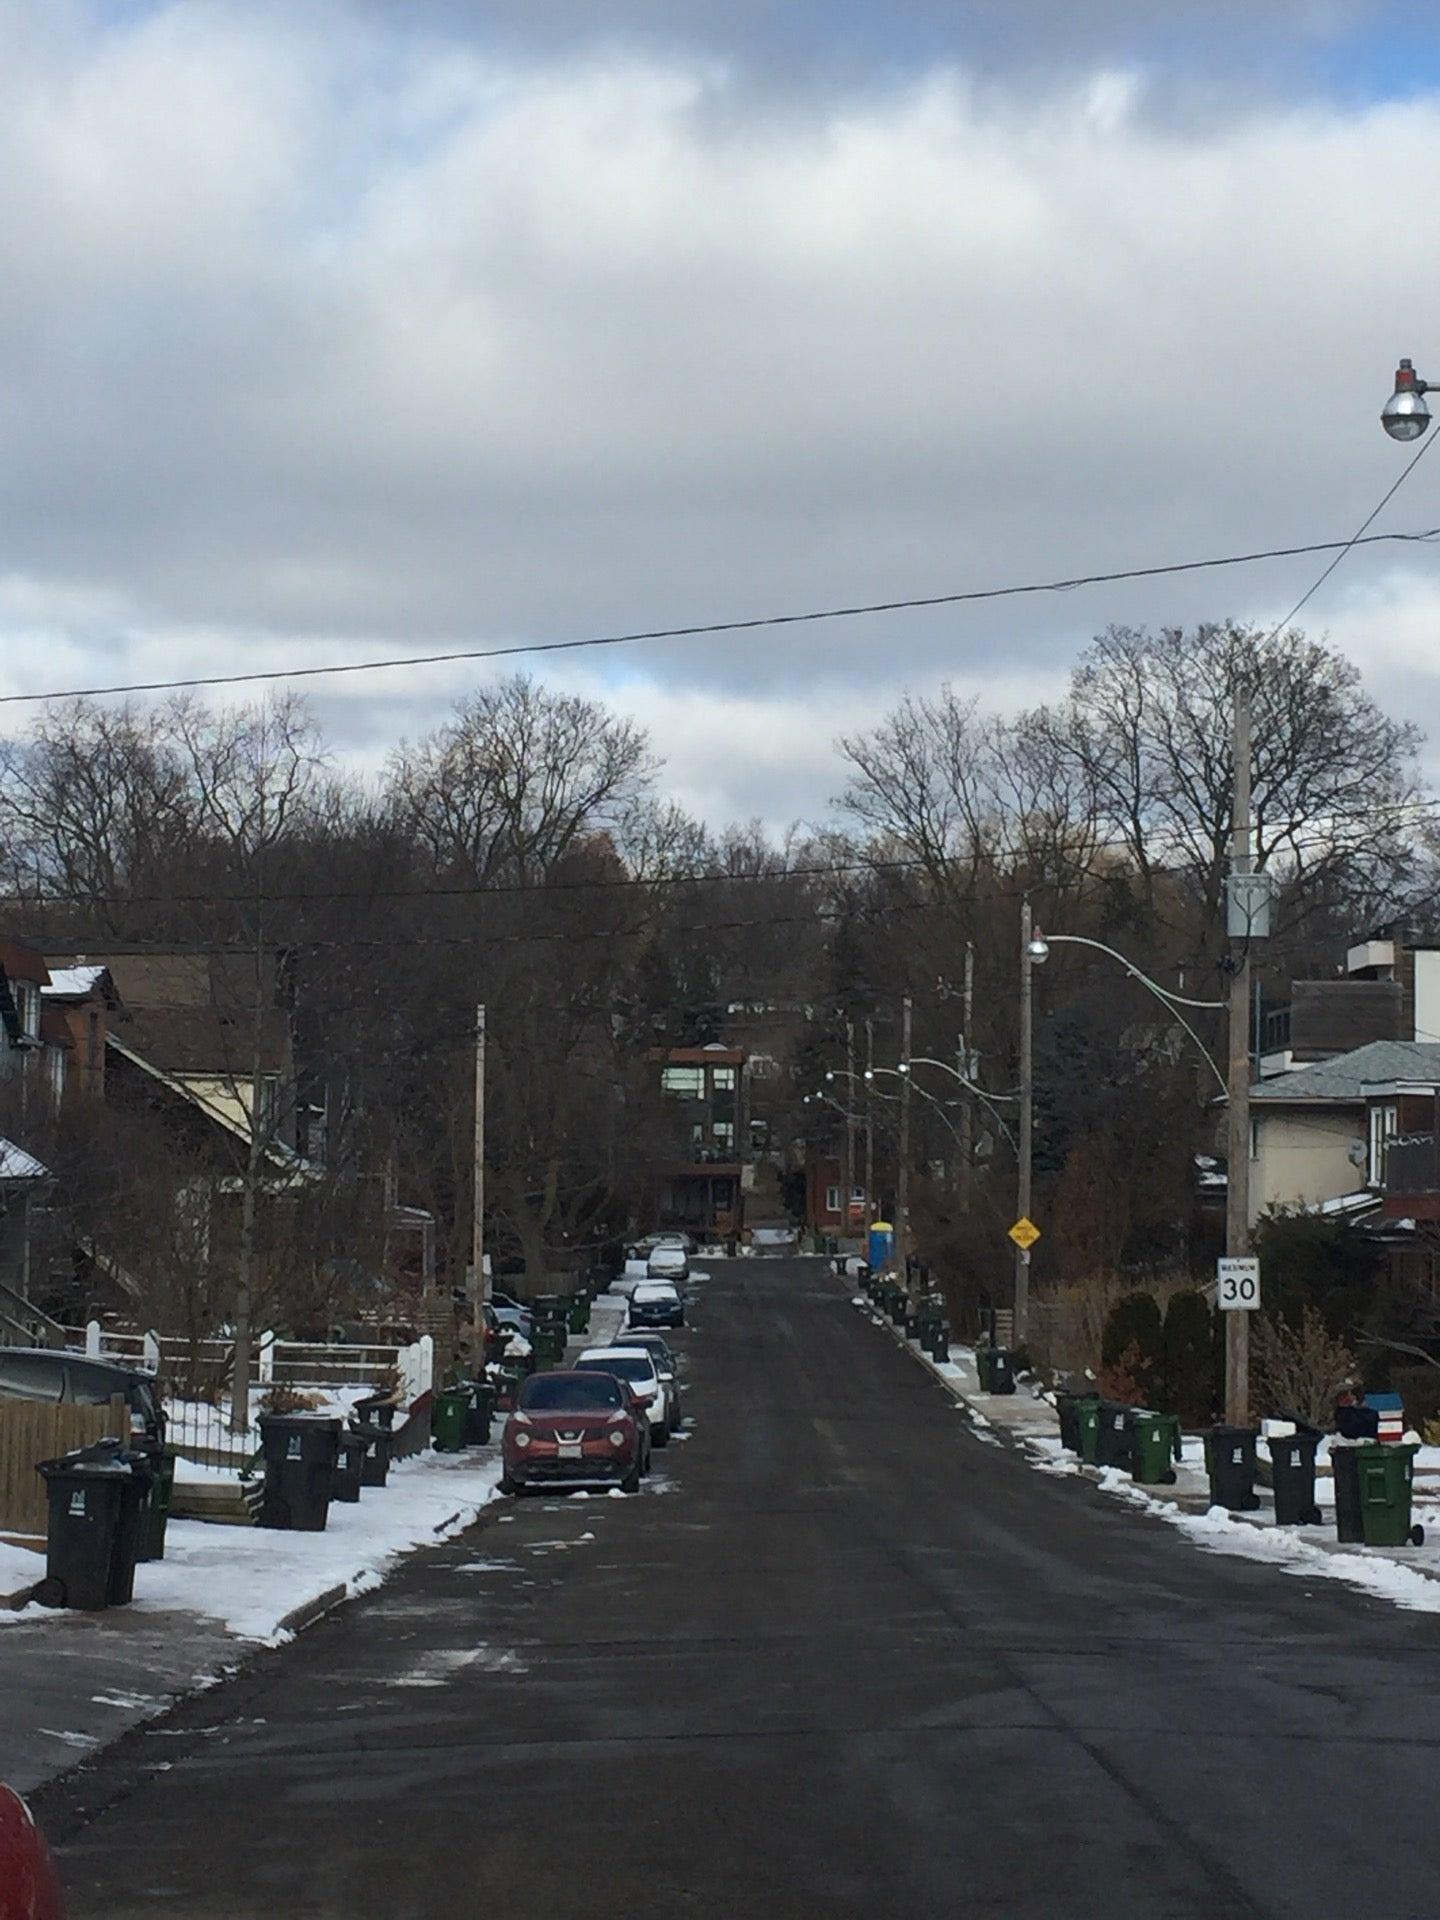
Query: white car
x=668, y=1261
x=636, y=1367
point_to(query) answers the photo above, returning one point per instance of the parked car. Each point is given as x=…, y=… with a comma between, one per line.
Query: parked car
x=668, y=1262
x=577, y=1429
x=57, y=1374
x=29, y=1886
x=775, y=1240
x=504, y=1341
x=666, y=1365
x=656, y=1303
x=637, y=1369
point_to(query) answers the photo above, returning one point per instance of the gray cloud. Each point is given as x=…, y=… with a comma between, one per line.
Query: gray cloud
x=324, y=338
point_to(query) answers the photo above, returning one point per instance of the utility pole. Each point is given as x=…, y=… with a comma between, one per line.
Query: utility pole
x=849, y=1177
x=1027, y=1118
x=902, y=1171
x=479, y=1292
x=869, y=1133
x=1237, y=1174
x=967, y=1068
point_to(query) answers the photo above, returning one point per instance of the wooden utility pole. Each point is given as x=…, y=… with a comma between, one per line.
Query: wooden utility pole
x=902, y=1171
x=967, y=1068
x=869, y=1133
x=1027, y=1118
x=1237, y=1173
x=849, y=1174
x=479, y=1292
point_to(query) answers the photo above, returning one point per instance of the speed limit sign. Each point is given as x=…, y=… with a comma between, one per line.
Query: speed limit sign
x=1238, y=1285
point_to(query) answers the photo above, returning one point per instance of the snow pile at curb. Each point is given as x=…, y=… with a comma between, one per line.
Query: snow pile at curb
x=265, y=1585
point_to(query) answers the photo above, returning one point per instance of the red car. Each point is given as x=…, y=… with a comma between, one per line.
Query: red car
x=574, y=1430
x=29, y=1889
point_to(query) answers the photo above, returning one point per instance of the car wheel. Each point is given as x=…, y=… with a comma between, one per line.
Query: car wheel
x=631, y=1482
x=507, y=1485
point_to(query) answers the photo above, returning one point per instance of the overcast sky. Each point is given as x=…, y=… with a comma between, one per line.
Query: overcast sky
x=351, y=327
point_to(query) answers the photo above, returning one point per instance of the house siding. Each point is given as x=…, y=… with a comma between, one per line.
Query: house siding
x=1303, y=1157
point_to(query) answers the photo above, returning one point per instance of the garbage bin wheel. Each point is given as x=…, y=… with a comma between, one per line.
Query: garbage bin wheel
x=49, y=1593
x=1417, y=1536
x=1315, y=1518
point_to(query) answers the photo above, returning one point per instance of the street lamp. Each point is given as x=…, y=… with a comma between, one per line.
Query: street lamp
x=1405, y=415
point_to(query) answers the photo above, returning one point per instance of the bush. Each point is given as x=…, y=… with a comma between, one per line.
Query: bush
x=1192, y=1380
x=1297, y=1369
x=1419, y=1391
x=1132, y=1350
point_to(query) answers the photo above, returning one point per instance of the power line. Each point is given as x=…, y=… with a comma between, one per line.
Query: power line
x=696, y=630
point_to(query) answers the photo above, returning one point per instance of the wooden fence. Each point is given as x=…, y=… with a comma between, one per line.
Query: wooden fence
x=35, y=1430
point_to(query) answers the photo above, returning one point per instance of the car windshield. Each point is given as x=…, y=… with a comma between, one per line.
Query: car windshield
x=655, y=1292
x=637, y=1367
x=563, y=1393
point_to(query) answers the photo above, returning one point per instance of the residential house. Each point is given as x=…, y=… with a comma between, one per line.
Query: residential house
x=703, y=1187
x=77, y=1006
x=1321, y=1134
x=826, y=1208
x=30, y=1081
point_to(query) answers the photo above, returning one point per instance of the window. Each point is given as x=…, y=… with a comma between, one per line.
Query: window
x=1382, y=1132
x=724, y=1079
x=832, y=1199
x=686, y=1081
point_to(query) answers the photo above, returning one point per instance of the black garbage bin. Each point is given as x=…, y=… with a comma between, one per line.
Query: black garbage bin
x=1292, y=1472
x=86, y=1493
x=131, y=1526
x=1113, y=1444
x=379, y=1411
x=300, y=1451
x=479, y=1413
x=1230, y=1464
x=1349, y=1512
x=375, y=1462
x=349, y=1460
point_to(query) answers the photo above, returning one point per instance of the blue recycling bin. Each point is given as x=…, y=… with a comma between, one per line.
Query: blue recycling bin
x=882, y=1245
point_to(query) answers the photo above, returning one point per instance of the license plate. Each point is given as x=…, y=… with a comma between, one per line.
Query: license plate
x=569, y=1450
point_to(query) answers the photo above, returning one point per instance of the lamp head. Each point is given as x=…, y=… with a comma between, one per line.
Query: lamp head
x=1037, y=949
x=1405, y=415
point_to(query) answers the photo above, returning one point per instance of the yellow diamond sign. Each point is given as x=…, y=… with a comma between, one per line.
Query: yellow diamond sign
x=1024, y=1233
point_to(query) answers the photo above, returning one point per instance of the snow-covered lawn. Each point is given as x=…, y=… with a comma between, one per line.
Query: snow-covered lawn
x=252, y=1579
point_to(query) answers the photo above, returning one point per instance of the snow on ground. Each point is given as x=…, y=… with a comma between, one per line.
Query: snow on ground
x=251, y=1578
x=19, y=1570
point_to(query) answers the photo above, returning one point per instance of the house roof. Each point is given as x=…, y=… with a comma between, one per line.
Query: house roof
x=16, y=1164
x=74, y=983
x=1345, y=1078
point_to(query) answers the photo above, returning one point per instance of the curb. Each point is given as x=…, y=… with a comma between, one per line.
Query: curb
x=309, y=1611
x=1095, y=1476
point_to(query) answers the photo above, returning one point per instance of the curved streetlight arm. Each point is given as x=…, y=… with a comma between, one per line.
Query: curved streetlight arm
x=1172, y=1001
x=1176, y=999
x=922, y=1060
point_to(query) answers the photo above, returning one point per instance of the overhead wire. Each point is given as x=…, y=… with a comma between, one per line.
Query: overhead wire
x=753, y=624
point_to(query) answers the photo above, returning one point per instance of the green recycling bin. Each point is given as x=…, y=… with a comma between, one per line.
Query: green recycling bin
x=1385, y=1473
x=579, y=1313
x=157, y=1505
x=1155, y=1439
x=447, y=1419
x=548, y=1341
x=1087, y=1426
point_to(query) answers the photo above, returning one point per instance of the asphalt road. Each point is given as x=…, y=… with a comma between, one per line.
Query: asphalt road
x=846, y=1658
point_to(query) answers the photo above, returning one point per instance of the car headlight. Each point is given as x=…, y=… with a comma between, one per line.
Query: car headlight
x=522, y=1439
x=617, y=1439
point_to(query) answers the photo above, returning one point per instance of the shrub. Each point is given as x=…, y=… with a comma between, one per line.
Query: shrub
x=1191, y=1376
x=1297, y=1368
x=1132, y=1350
x=1419, y=1391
